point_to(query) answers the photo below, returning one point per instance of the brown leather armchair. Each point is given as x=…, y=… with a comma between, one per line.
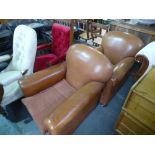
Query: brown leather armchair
x=60, y=97
x=120, y=48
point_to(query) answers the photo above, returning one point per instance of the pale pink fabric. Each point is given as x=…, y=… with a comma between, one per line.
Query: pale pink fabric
x=41, y=105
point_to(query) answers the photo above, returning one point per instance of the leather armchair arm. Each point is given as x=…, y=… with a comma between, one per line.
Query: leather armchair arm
x=41, y=80
x=121, y=69
x=119, y=73
x=70, y=113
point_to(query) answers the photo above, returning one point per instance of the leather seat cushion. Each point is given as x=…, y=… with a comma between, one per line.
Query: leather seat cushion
x=41, y=105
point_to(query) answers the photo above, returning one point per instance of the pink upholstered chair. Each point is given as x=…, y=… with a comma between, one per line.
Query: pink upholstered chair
x=59, y=47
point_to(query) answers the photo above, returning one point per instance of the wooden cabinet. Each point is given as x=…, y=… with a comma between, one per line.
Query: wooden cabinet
x=138, y=112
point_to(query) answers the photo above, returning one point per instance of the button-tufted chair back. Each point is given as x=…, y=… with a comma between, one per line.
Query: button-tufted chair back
x=85, y=64
x=24, y=48
x=60, y=39
x=24, y=52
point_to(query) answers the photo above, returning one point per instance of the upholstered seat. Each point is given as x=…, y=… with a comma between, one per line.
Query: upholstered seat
x=24, y=52
x=41, y=105
x=61, y=96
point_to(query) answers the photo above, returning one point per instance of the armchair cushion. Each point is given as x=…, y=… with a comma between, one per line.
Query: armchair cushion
x=41, y=105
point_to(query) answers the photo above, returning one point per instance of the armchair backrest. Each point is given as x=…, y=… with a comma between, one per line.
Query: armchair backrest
x=85, y=64
x=24, y=48
x=119, y=45
x=60, y=39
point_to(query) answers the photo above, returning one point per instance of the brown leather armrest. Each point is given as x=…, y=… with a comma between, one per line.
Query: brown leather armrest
x=41, y=80
x=121, y=69
x=100, y=49
x=119, y=74
x=70, y=113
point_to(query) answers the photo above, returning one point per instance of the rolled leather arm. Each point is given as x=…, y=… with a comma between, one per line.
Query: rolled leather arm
x=119, y=73
x=41, y=80
x=121, y=69
x=70, y=113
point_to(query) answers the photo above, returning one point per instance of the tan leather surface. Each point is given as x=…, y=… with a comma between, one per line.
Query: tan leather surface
x=43, y=79
x=1, y=92
x=43, y=104
x=119, y=45
x=119, y=73
x=122, y=68
x=71, y=112
x=85, y=64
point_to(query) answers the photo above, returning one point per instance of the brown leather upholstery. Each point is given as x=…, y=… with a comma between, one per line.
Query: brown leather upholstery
x=119, y=45
x=43, y=79
x=85, y=65
x=120, y=48
x=63, y=104
x=71, y=112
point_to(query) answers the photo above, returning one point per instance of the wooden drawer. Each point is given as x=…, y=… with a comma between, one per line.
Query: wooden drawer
x=142, y=109
x=123, y=130
x=128, y=125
